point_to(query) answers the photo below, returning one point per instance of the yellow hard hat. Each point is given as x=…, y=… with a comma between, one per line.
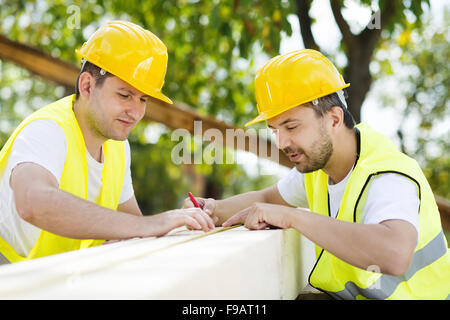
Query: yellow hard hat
x=131, y=53
x=292, y=79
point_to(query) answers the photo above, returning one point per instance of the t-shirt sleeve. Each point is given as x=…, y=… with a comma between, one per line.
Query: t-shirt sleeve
x=392, y=196
x=127, y=189
x=42, y=142
x=292, y=189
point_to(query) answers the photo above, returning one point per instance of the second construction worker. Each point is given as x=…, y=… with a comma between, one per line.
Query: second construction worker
x=372, y=214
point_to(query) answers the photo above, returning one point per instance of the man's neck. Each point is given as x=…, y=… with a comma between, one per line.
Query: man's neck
x=92, y=141
x=343, y=158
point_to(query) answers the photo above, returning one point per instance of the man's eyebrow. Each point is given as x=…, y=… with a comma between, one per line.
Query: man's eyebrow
x=284, y=122
x=132, y=93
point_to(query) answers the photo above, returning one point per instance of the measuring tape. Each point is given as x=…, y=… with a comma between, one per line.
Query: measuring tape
x=202, y=235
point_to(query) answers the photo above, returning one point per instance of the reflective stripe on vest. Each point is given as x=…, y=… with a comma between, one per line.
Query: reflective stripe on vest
x=386, y=284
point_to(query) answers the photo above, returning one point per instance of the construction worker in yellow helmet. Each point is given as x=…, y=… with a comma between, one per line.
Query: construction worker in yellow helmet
x=65, y=171
x=367, y=207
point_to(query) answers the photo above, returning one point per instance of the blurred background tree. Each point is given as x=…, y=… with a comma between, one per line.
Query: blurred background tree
x=416, y=59
x=215, y=48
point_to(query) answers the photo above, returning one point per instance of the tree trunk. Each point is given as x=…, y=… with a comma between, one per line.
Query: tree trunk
x=213, y=187
x=358, y=48
x=358, y=75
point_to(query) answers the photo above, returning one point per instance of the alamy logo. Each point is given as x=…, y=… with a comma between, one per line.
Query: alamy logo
x=73, y=21
x=375, y=21
x=191, y=150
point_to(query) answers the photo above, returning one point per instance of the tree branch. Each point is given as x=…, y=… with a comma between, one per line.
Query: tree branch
x=304, y=19
x=369, y=36
x=348, y=37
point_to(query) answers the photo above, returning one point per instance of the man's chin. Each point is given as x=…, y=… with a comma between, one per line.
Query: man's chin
x=119, y=137
x=302, y=169
x=299, y=167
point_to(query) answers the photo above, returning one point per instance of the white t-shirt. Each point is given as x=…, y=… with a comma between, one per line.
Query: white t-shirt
x=43, y=142
x=390, y=196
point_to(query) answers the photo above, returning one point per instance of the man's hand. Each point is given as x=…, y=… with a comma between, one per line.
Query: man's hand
x=192, y=218
x=262, y=215
x=207, y=205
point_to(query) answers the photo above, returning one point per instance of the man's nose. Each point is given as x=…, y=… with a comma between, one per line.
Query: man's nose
x=136, y=109
x=283, y=140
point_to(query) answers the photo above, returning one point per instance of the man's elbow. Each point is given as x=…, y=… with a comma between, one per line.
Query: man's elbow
x=397, y=269
x=399, y=247
x=34, y=189
x=24, y=204
x=25, y=213
x=399, y=264
x=29, y=202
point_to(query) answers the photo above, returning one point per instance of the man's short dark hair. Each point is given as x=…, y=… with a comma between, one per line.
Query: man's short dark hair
x=327, y=102
x=95, y=72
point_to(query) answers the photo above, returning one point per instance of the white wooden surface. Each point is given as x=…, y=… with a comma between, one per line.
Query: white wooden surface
x=232, y=264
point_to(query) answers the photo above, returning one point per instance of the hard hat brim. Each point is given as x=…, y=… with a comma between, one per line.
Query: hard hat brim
x=160, y=96
x=268, y=114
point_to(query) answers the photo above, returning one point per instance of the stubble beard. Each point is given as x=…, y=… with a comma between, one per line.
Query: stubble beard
x=319, y=155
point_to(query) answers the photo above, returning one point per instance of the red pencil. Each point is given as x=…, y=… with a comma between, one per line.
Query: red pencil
x=193, y=200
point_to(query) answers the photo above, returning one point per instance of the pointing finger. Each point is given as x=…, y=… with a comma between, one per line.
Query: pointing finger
x=237, y=218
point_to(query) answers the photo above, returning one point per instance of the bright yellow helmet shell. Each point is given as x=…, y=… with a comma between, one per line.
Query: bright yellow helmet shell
x=292, y=79
x=131, y=53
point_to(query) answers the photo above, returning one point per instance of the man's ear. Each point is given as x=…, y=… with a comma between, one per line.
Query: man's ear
x=337, y=116
x=86, y=84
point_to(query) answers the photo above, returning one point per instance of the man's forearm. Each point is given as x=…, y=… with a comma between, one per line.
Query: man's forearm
x=227, y=207
x=40, y=202
x=67, y=215
x=361, y=245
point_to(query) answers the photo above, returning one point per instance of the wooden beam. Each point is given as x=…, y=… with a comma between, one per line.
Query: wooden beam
x=180, y=116
x=176, y=116
x=38, y=62
x=170, y=267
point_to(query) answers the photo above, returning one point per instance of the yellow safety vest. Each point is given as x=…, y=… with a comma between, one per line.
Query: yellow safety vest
x=74, y=177
x=428, y=277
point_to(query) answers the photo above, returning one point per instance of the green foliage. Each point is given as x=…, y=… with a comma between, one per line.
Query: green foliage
x=211, y=48
x=423, y=73
x=214, y=50
x=211, y=44
x=14, y=103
